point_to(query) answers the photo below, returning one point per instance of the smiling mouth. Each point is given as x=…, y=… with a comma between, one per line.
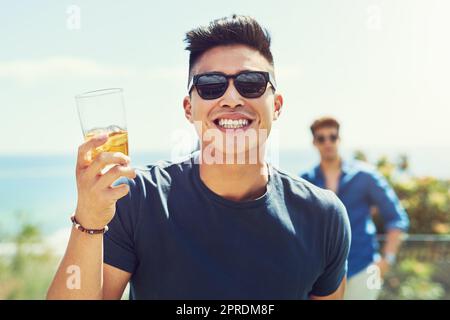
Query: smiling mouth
x=224, y=123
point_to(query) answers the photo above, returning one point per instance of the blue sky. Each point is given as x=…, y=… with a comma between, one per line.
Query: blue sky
x=381, y=67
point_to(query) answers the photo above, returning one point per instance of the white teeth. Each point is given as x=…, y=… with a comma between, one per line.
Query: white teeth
x=233, y=124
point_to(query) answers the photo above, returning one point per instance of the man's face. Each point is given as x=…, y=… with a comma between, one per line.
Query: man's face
x=326, y=140
x=213, y=115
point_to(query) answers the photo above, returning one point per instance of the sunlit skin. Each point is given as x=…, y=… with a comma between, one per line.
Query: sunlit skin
x=233, y=181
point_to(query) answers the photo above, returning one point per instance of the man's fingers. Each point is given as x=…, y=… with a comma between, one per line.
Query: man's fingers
x=115, y=173
x=119, y=191
x=106, y=158
x=83, y=150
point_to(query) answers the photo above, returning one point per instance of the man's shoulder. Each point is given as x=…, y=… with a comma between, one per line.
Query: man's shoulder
x=160, y=174
x=361, y=168
x=318, y=200
x=167, y=168
x=309, y=174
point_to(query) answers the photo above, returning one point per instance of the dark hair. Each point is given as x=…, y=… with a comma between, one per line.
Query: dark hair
x=324, y=122
x=236, y=29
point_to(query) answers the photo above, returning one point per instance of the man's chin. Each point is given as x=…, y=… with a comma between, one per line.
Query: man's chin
x=330, y=157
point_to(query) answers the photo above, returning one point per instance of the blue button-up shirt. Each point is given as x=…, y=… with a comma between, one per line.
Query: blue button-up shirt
x=360, y=187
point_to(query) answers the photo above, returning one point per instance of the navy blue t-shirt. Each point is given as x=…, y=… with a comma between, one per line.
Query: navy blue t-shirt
x=180, y=240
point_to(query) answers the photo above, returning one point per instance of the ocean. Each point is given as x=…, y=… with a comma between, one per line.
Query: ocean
x=42, y=189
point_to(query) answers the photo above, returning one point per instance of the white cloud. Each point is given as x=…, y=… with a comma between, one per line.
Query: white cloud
x=57, y=67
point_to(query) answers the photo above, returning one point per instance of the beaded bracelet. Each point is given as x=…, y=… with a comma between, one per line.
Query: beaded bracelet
x=88, y=231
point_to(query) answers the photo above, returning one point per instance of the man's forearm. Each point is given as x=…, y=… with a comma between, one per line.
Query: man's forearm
x=394, y=238
x=80, y=274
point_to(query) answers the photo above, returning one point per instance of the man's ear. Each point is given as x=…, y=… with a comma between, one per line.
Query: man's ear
x=188, y=108
x=278, y=104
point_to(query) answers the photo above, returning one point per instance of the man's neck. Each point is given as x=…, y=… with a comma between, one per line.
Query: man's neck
x=237, y=182
x=331, y=165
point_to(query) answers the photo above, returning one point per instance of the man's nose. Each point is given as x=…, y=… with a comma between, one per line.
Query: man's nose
x=231, y=98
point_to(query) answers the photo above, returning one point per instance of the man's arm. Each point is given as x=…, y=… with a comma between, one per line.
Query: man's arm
x=394, y=217
x=337, y=295
x=79, y=275
x=82, y=274
x=114, y=282
x=383, y=196
x=394, y=239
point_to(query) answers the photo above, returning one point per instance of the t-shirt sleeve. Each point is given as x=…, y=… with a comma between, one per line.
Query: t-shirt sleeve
x=338, y=246
x=118, y=241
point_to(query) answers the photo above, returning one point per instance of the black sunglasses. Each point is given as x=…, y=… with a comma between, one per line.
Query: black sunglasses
x=249, y=84
x=321, y=139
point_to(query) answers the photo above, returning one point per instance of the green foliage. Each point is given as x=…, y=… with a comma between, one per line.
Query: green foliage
x=414, y=280
x=27, y=273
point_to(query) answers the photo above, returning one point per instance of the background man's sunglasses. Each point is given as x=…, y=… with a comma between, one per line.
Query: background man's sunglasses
x=321, y=139
x=249, y=84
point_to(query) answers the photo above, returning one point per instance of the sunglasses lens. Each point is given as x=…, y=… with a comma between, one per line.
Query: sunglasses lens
x=320, y=139
x=248, y=84
x=211, y=86
x=251, y=84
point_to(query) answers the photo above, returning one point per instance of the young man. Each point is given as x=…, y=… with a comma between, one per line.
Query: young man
x=360, y=187
x=210, y=227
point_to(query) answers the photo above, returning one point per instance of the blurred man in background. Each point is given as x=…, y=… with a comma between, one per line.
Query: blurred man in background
x=359, y=186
